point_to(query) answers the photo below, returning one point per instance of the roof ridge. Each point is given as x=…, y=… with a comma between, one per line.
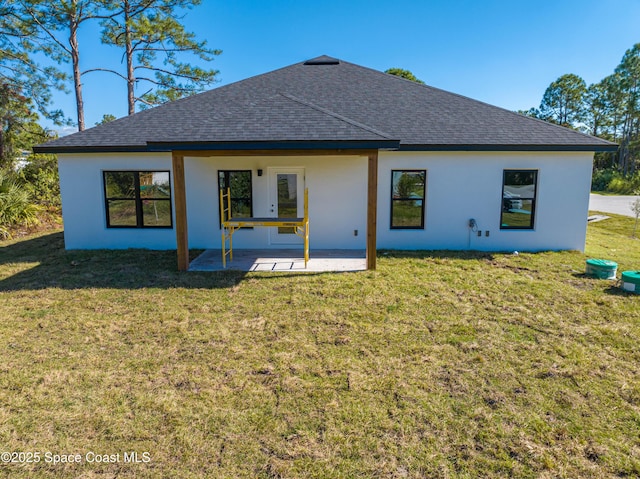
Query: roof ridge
x=352, y=122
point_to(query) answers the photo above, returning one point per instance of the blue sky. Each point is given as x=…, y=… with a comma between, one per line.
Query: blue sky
x=502, y=52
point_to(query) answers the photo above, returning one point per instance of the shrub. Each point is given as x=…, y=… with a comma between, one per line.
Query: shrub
x=613, y=181
x=617, y=185
x=601, y=179
x=40, y=176
x=624, y=185
x=16, y=206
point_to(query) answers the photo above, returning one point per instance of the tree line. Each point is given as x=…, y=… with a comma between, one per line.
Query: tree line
x=149, y=34
x=609, y=109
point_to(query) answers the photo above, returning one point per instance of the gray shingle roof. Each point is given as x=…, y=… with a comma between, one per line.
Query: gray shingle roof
x=325, y=102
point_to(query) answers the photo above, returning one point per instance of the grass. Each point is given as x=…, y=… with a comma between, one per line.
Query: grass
x=437, y=364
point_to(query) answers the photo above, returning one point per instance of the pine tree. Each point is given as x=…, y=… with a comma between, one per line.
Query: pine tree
x=154, y=42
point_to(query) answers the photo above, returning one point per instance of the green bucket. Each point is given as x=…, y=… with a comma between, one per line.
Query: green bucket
x=602, y=268
x=631, y=281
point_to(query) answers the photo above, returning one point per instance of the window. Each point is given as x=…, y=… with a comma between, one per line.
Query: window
x=407, y=199
x=239, y=182
x=518, y=199
x=137, y=199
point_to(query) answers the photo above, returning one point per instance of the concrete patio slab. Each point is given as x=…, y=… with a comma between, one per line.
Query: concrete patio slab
x=282, y=260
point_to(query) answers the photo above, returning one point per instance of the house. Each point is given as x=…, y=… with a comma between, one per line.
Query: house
x=388, y=163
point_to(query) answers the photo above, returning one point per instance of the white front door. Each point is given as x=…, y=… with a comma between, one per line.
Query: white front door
x=286, y=200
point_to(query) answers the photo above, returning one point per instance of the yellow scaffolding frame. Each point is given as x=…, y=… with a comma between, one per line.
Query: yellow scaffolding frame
x=231, y=225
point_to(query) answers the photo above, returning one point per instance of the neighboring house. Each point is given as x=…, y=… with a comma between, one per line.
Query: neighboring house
x=388, y=163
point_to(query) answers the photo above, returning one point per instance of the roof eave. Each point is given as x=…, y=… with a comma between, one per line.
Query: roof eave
x=511, y=147
x=156, y=147
x=54, y=149
x=219, y=146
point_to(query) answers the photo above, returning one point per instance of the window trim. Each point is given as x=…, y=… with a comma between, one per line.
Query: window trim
x=423, y=199
x=137, y=199
x=226, y=179
x=534, y=199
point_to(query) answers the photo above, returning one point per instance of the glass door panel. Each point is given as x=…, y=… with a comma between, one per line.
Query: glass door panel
x=286, y=197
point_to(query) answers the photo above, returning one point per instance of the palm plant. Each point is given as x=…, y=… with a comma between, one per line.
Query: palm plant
x=16, y=207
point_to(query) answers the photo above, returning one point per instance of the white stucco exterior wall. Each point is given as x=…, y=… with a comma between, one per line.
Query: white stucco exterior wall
x=460, y=186
x=464, y=185
x=83, y=206
x=337, y=200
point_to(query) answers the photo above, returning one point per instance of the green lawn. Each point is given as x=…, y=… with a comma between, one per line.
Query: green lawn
x=437, y=364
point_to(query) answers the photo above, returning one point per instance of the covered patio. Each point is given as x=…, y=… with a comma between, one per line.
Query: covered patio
x=275, y=259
